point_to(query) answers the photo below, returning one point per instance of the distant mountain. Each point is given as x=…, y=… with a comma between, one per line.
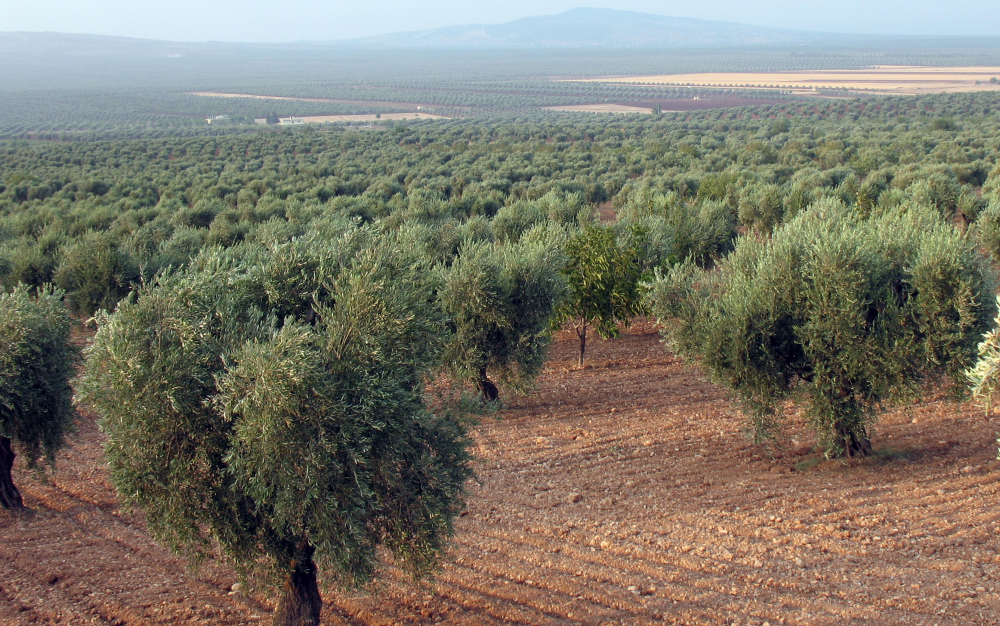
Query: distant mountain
x=579, y=29
x=44, y=45
x=593, y=28
x=30, y=44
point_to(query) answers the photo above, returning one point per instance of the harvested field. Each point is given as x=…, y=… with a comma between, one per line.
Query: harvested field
x=371, y=103
x=321, y=119
x=668, y=105
x=912, y=80
x=620, y=494
x=601, y=108
x=703, y=103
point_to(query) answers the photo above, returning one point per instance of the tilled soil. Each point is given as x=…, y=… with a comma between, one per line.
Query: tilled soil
x=622, y=493
x=702, y=103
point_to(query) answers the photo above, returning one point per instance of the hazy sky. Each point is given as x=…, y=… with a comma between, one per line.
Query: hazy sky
x=318, y=20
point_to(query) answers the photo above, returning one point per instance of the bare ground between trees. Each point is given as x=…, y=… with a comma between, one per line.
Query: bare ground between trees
x=623, y=493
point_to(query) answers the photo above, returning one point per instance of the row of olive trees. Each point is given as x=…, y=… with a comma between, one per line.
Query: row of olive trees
x=500, y=298
x=271, y=400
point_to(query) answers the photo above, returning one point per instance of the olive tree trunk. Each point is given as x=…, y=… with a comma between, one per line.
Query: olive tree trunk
x=300, y=601
x=486, y=387
x=10, y=498
x=581, y=332
x=855, y=444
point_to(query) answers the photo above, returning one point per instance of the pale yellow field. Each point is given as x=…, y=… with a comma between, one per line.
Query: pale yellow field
x=883, y=79
x=217, y=94
x=601, y=108
x=372, y=103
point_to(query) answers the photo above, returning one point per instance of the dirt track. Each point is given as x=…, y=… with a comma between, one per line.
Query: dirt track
x=679, y=520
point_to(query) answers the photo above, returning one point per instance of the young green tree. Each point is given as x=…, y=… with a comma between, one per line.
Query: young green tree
x=36, y=364
x=603, y=284
x=844, y=312
x=500, y=299
x=271, y=400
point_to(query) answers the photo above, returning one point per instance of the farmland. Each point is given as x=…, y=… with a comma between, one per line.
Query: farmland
x=601, y=108
x=378, y=103
x=69, y=100
x=902, y=80
x=667, y=105
x=680, y=520
x=293, y=338
x=325, y=119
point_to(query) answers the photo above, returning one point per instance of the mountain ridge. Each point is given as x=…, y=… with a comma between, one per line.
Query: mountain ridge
x=594, y=28
x=581, y=28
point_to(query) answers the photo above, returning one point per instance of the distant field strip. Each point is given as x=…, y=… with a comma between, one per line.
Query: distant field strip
x=601, y=108
x=914, y=80
x=373, y=103
x=319, y=119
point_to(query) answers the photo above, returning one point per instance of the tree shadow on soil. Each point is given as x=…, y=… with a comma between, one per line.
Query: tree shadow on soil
x=881, y=457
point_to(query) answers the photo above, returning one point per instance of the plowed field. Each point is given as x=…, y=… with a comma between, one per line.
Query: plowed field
x=320, y=119
x=624, y=493
x=370, y=103
x=601, y=108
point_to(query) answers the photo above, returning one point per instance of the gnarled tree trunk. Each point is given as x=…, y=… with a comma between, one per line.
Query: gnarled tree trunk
x=10, y=498
x=486, y=387
x=300, y=601
x=581, y=332
x=855, y=444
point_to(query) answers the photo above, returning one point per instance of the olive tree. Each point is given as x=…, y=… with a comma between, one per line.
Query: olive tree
x=36, y=364
x=665, y=228
x=95, y=272
x=984, y=375
x=500, y=299
x=270, y=401
x=845, y=312
x=761, y=206
x=602, y=275
x=987, y=228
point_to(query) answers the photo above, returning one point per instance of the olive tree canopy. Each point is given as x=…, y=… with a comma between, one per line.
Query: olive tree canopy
x=501, y=299
x=842, y=311
x=271, y=399
x=36, y=364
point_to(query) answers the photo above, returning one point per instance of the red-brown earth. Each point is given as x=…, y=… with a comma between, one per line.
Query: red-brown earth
x=624, y=493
